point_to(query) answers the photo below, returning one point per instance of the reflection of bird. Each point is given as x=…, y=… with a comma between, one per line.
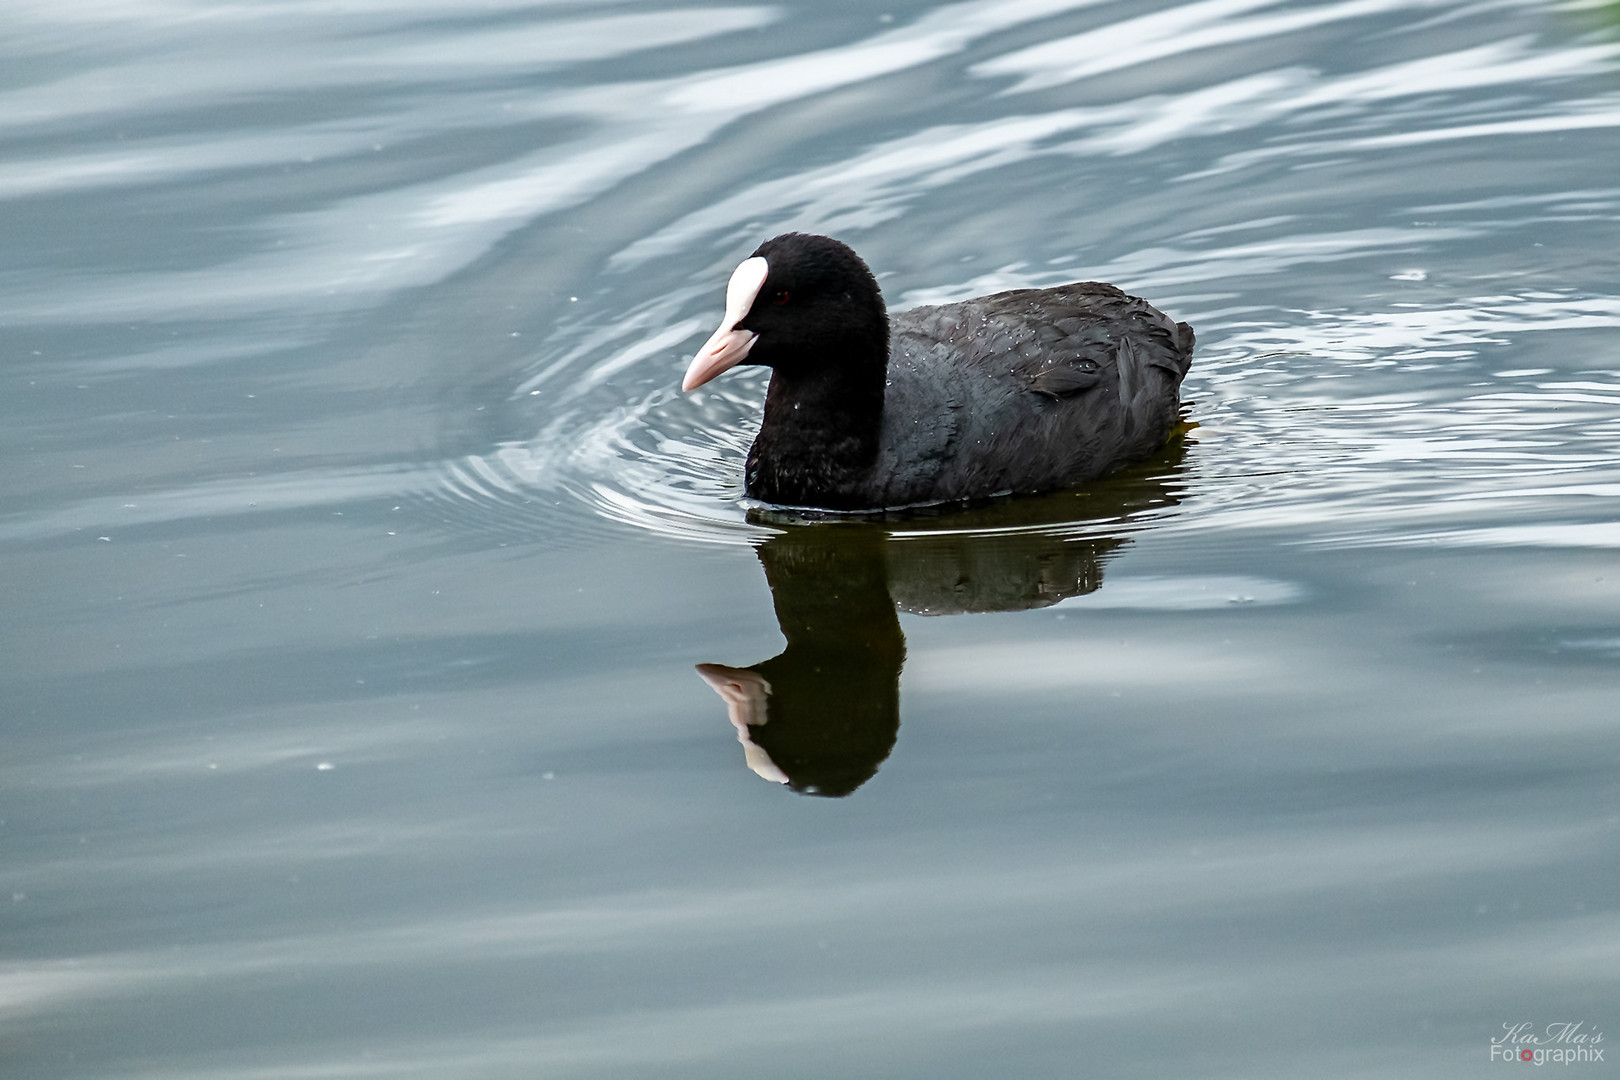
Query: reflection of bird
x=1024, y=391
x=951, y=575
x=824, y=714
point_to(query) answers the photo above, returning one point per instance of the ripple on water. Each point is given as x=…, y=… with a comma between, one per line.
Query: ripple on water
x=1353, y=424
x=1370, y=364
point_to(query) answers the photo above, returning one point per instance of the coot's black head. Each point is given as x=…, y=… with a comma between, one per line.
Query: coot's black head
x=799, y=303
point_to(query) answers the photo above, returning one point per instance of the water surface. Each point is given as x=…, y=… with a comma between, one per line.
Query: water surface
x=358, y=550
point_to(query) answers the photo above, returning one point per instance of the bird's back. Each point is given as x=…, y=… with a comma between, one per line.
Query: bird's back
x=1022, y=391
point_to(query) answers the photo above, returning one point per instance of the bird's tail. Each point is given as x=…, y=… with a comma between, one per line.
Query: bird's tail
x=1185, y=339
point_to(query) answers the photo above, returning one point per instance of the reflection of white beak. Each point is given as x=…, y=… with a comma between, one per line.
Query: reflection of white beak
x=744, y=693
x=729, y=346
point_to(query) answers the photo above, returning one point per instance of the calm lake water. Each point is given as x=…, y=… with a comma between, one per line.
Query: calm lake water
x=358, y=554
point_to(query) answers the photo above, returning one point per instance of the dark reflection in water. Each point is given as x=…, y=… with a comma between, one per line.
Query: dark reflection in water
x=822, y=715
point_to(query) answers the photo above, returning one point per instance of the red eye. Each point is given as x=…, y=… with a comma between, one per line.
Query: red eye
x=781, y=298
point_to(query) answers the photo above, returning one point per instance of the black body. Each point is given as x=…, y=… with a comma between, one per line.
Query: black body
x=1023, y=391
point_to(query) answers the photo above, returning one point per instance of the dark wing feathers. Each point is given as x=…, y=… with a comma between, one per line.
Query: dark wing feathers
x=1046, y=388
x=1071, y=360
x=1064, y=341
x=1060, y=378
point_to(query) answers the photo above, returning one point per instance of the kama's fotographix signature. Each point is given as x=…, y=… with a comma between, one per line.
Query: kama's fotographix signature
x=1562, y=1043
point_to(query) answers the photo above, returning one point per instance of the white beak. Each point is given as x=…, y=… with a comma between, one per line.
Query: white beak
x=745, y=693
x=729, y=346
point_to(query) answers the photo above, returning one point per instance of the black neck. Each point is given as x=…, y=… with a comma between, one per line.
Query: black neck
x=820, y=433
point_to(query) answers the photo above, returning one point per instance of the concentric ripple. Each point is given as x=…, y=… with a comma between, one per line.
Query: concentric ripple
x=1391, y=342
x=1345, y=424
x=665, y=464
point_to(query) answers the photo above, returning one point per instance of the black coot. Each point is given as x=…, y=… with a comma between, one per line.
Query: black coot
x=1023, y=391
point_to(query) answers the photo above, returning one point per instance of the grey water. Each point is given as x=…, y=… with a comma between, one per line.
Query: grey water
x=395, y=683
